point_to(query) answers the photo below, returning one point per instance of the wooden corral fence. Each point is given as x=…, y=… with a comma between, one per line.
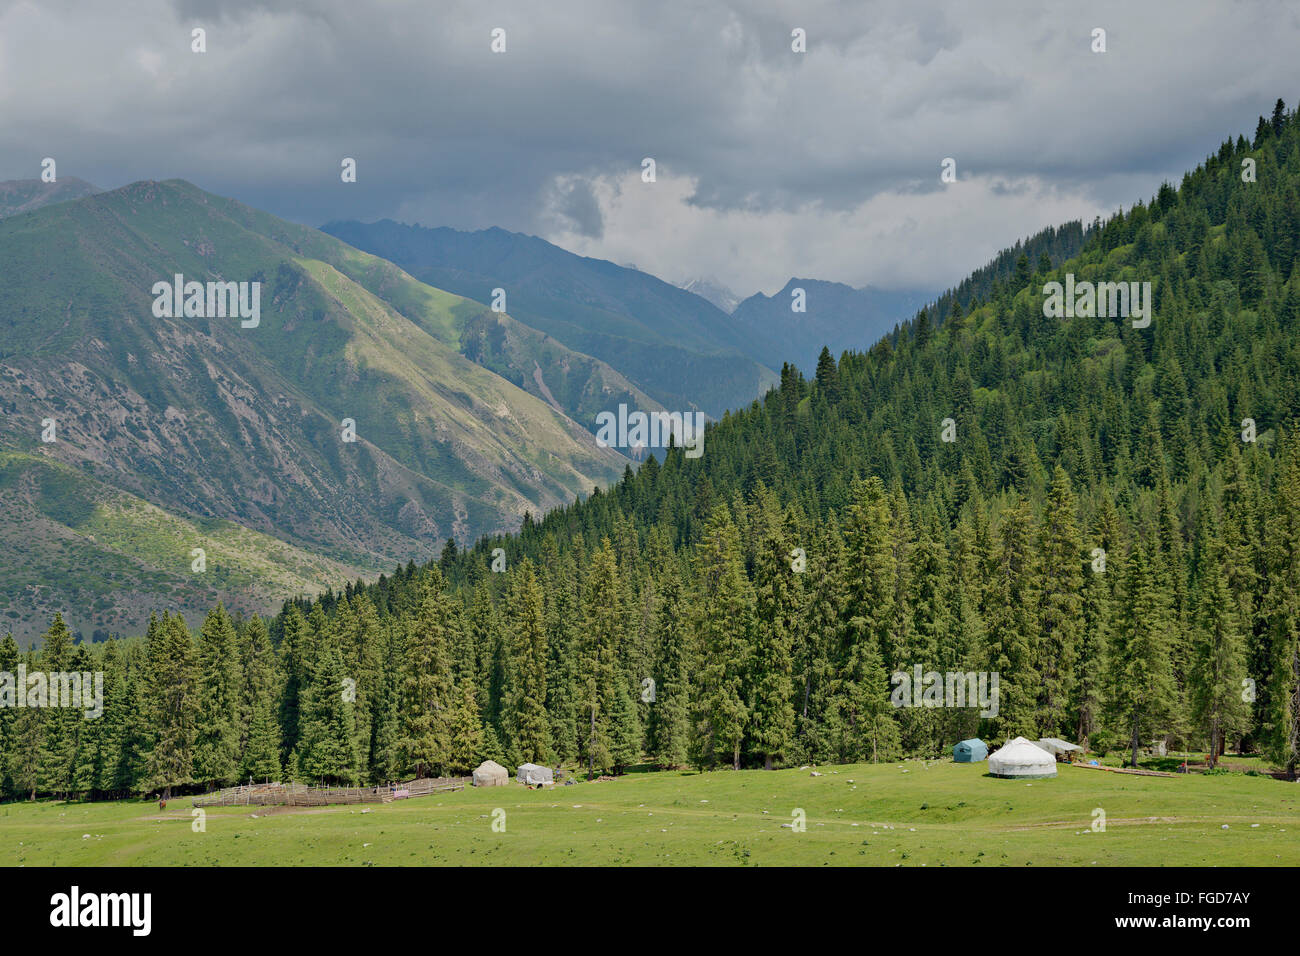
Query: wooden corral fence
x=300, y=795
x=1132, y=770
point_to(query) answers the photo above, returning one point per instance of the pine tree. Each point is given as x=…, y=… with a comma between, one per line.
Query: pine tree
x=112, y=733
x=1281, y=610
x=526, y=696
x=625, y=727
x=465, y=731
x=724, y=620
x=58, y=733
x=172, y=690
x=327, y=749
x=1011, y=617
x=1140, y=695
x=8, y=713
x=216, y=743
x=777, y=614
x=424, y=742
x=24, y=757
x=669, y=712
x=294, y=666
x=603, y=617
x=866, y=627
x=1060, y=608
x=260, y=754
x=1219, y=664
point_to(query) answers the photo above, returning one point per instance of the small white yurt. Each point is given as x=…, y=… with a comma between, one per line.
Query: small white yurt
x=533, y=775
x=491, y=774
x=1021, y=759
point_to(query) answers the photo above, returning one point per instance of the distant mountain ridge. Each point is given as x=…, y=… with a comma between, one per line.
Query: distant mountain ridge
x=836, y=315
x=714, y=291
x=678, y=348
x=27, y=195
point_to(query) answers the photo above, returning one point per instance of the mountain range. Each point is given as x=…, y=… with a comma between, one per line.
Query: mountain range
x=834, y=315
x=213, y=422
x=681, y=350
x=130, y=438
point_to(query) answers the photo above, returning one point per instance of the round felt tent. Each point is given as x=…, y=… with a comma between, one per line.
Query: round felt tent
x=970, y=751
x=491, y=774
x=532, y=775
x=1022, y=760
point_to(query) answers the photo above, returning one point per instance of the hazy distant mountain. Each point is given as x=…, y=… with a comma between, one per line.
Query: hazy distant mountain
x=715, y=292
x=213, y=422
x=24, y=195
x=837, y=316
x=680, y=349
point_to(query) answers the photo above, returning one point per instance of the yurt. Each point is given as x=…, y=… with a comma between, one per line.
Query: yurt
x=1021, y=759
x=533, y=775
x=491, y=774
x=970, y=751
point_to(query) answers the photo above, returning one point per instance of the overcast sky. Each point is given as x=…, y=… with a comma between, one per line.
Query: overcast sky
x=771, y=163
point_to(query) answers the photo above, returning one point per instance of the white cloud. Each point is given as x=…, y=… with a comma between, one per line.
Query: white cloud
x=895, y=239
x=823, y=163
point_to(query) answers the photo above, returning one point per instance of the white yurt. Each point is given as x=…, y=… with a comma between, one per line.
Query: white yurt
x=533, y=775
x=1021, y=759
x=491, y=774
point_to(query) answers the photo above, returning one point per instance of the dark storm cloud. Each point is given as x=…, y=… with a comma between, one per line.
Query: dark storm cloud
x=833, y=154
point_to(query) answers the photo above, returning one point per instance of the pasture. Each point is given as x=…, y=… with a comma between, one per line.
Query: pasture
x=899, y=814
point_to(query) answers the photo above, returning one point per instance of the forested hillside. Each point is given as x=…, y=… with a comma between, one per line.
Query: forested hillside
x=1112, y=530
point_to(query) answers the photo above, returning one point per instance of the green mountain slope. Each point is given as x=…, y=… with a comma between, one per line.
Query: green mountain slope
x=205, y=418
x=681, y=350
x=106, y=558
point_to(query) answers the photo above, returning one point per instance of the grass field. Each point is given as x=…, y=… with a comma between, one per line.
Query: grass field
x=910, y=814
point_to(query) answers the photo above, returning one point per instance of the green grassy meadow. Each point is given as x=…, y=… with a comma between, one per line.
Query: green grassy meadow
x=910, y=814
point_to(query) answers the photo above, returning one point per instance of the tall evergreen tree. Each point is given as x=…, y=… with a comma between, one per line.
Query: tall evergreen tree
x=220, y=716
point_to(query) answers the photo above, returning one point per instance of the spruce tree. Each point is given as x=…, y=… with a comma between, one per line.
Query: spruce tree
x=1218, y=664
x=260, y=755
x=220, y=716
x=1060, y=608
x=9, y=658
x=528, y=720
x=172, y=691
x=669, y=712
x=777, y=615
x=1140, y=695
x=724, y=620
x=424, y=742
x=58, y=733
x=327, y=748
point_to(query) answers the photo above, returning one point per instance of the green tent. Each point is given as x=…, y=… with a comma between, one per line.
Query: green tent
x=970, y=751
